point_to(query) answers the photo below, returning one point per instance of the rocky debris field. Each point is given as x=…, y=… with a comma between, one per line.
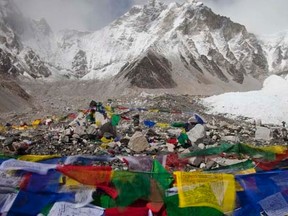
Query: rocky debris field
x=147, y=125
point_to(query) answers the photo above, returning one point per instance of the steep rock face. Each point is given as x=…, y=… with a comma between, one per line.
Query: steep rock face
x=79, y=64
x=36, y=67
x=228, y=45
x=151, y=71
x=13, y=97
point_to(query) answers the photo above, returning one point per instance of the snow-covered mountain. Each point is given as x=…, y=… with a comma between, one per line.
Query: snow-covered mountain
x=151, y=46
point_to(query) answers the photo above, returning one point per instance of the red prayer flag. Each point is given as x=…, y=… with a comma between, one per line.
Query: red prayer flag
x=88, y=175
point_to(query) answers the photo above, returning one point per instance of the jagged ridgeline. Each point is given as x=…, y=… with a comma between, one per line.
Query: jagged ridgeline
x=151, y=46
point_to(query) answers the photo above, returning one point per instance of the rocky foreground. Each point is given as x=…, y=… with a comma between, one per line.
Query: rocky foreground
x=146, y=125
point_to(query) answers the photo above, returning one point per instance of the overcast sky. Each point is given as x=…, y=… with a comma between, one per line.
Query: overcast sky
x=259, y=16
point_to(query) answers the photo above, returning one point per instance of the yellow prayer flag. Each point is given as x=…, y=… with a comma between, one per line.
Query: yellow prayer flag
x=71, y=183
x=108, y=108
x=238, y=187
x=35, y=158
x=247, y=171
x=163, y=125
x=105, y=140
x=275, y=149
x=2, y=128
x=36, y=122
x=211, y=190
x=98, y=123
x=153, y=110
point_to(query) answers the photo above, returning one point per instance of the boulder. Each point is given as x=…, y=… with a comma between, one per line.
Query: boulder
x=138, y=142
x=262, y=133
x=197, y=133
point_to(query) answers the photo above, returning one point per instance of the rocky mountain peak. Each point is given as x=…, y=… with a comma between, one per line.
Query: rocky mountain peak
x=43, y=26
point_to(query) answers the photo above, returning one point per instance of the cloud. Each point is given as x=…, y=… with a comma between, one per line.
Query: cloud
x=259, y=16
x=75, y=14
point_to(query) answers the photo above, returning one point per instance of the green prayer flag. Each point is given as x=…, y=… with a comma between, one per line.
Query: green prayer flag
x=183, y=138
x=234, y=167
x=115, y=119
x=131, y=186
x=161, y=175
x=178, y=124
x=237, y=149
x=104, y=201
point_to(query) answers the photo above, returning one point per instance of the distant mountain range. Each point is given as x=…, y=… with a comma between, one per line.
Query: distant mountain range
x=151, y=46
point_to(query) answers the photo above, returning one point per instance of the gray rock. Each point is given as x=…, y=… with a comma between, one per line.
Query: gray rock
x=185, y=151
x=201, y=146
x=226, y=132
x=68, y=132
x=202, y=165
x=262, y=133
x=210, y=164
x=9, y=141
x=196, y=133
x=138, y=142
x=108, y=127
x=246, y=131
x=223, y=124
x=65, y=139
x=174, y=132
x=26, y=134
x=170, y=147
x=75, y=136
x=112, y=144
x=233, y=127
x=195, y=161
x=79, y=130
x=127, y=150
x=91, y=130
x=79, y=121
x=214, y=138
x=211, y=127
x=234, y=139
